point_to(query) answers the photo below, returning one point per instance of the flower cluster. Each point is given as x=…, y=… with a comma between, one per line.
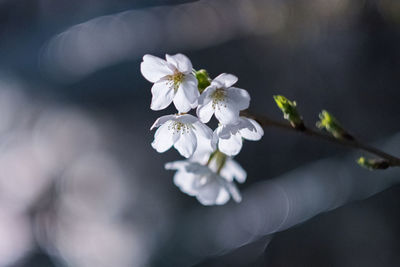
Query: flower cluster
x=208, y=173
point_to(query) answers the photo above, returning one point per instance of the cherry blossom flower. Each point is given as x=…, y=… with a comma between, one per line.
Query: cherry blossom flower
x=222, y=100
x=173, y=80
x=184, y=132
x=203, y=183
x=230, y=136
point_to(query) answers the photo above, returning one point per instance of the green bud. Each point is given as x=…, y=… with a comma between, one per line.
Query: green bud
x=289, y=111
x=203, y=79
x=332, y=125
x=373, y=164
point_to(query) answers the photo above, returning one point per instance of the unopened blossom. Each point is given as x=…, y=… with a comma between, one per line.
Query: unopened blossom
x=222, y=100
x=230, y=136
x=173, y=80
x=180, y=131
x=203, y=183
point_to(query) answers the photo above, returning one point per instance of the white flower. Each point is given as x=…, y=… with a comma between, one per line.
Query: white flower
x=222, y=100
x=230, y=136
x=208, y=187
x=184, y=132
x=173, y=81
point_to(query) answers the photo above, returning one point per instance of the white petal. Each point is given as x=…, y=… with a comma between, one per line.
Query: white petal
x=185, y=180
x=205, y=95
x=222, y=197
x=209, y=192
x=226, y=113
x=203, y=130
x=162, y=120
x=186, y=144
x=181, y=102
x=245, y=122
x=154, y=68
x=225, y=80
x=162, y=96
x=205, y=112
x=214, y=140
x=222, y=132
x=252, y=133
x=203, y=150
x=176, y=165
x=205, y=109
x=186, y=118
x=233, y=170
x=163, y=139
x=232, y=189
x=206, y=144
x=231, y=146
x=239, y=97
x=190, y=89
x=225, y=131
x=181, y=62
x=198, y=169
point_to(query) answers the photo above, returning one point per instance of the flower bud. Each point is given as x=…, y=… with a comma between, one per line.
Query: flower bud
x=330, y=123
x=373, y=164
x=203, y=79
x=289, y=111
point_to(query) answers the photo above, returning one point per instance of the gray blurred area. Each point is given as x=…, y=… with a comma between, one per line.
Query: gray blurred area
x=80, y=185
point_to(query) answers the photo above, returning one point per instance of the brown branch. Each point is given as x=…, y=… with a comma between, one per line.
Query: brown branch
x=352, y=143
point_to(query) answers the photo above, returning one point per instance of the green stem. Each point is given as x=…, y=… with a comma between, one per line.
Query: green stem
x=220, y=159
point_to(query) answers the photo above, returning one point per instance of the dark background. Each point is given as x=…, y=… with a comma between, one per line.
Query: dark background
x=71, y=85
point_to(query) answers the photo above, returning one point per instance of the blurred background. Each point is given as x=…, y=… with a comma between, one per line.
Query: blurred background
x=81, y=186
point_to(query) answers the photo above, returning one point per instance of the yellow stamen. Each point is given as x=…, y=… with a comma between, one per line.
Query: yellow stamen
x=179, y=127
x=175, y=80
x=218, y=96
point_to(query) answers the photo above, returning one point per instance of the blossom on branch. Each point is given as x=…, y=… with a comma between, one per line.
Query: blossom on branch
x=173, y=80
x=230, y=136
x=206, y=185
x=222, y=100
x=180, y=131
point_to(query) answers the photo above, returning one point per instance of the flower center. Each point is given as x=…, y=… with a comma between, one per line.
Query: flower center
x=174, y=80
x=179, y=127
x=218, y=96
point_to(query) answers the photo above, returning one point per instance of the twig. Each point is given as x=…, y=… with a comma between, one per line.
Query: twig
x=267, y=122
